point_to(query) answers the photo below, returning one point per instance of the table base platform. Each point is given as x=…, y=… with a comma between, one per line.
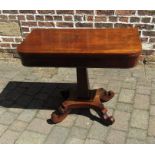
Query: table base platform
x=95, y=102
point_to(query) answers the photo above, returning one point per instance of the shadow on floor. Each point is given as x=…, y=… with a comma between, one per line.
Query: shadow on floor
x=37, y=95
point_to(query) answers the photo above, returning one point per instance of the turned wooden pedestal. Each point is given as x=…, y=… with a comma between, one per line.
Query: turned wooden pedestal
x=84, y=98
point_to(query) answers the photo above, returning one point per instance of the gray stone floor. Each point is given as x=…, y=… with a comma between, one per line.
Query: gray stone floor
x=29, y=95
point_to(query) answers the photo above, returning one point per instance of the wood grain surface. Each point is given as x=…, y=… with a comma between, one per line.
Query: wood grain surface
x=82, y=41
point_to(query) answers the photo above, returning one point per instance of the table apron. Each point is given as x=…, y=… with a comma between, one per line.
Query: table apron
x=92, y=61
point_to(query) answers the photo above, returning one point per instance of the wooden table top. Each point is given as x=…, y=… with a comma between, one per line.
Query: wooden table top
x=82, y=41
x=112, y=48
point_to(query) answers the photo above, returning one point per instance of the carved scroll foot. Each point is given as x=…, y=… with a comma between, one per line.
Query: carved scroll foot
x=95, y=102
x=105, y=95
x=57, y=117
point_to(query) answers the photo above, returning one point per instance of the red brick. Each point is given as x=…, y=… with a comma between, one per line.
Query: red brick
x=29, y=17
x=6, y=45
x=134, y=19
x=18, y=39
x=39, y=17
x=144, y=39
x=90, y=18
x=3, y=17
x=148, y=52
x=64, y=24
x=12, y=17
x=152, y=40
x=10, y=11
x=146, y=12
x=21, y=17
x=84, y=24
x=25, y=29
x=121, y=25
x=100, y=18
x=146, y=19
x=125, y=12
x=144, y=26
x=57, y=18
x=8, y=39
x=15, y=45
x=46, y=11
x=105, y=12
x=48, y=18
x=88, y=12
x=29, y=23
x=68, y=18
x=149, y=33
x=46, y=24
x=27, y=11
x=65, y=11
x=113, y=19
x=78, y=18
x=123, y=19
x=103, y=25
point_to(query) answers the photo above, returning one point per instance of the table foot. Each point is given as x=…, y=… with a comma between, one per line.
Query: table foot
x=58, y=117
x=95, y=102
x=105, y=95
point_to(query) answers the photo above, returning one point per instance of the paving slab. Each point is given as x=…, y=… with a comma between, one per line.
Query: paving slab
x=29, y=137
x=2, y=128
x=7, y=118
x=137, y=133
x=142, y=102
x=140, y=118
x=9, y=137
x=135, y=141
x=116, y=137
x=93, y=141
x=98, y=131
x=27, y=115
x=18, y=126
x=126, y=95
x=73, y=140
x=77, y=132
x=151, y=129
x=122, y=120
x=39, y=125
x=58, y=135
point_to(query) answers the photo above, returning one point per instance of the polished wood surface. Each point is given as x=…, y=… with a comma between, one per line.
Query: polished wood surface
x=82, y=41
x=113, y=48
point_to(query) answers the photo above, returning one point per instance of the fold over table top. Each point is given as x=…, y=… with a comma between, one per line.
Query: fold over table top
x=76, y=46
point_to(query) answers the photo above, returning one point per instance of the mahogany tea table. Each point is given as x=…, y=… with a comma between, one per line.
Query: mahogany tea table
x=82, y=48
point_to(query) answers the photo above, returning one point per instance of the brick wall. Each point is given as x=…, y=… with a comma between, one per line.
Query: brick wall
x=16, y=24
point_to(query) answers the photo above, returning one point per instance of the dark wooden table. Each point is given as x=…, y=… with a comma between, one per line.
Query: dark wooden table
x=82, y=48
